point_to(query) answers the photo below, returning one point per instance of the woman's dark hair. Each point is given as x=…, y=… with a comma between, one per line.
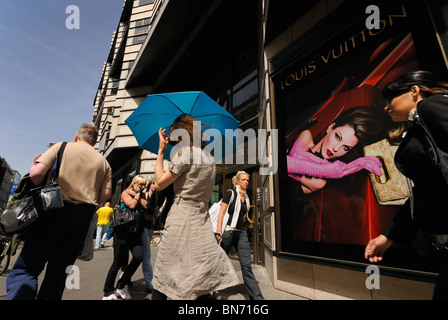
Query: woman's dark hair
x=428, y=83
x=367, y=124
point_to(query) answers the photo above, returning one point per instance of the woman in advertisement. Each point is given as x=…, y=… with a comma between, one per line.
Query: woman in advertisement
x=312, y=164
x=419, y=98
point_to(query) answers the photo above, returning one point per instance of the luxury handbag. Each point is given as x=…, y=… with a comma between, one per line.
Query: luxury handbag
x=33, y=202
x=159, y=205
x=392, y=187
x=124, y=216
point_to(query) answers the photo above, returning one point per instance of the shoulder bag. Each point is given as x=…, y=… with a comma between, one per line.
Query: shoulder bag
x=214, y=212
x=124, y=216
x=29, y=206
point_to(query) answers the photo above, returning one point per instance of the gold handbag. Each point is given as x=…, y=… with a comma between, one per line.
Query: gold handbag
x=392, y=187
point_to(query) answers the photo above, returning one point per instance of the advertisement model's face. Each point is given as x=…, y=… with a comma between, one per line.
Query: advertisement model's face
x=337, y=142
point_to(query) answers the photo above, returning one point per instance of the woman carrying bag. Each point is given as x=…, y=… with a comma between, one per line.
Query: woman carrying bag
x=235, y=233
x=127, y=238
x=419, y=99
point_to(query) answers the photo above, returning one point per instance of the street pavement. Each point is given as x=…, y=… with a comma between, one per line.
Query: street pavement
x=92, y=275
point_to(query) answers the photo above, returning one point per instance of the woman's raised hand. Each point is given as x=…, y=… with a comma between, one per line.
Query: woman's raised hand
x=163, y=140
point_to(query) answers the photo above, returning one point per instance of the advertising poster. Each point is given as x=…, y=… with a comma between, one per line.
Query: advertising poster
x=331, y=115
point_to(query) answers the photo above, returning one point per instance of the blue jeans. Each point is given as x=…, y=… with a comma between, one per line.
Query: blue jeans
x=146, y=263
x=56, y=240
x=101, y=234
x=239, y=239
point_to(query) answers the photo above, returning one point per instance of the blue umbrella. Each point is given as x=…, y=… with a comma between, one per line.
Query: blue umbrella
x=160, y=110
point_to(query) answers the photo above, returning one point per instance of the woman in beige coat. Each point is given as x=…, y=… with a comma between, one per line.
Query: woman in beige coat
x=190, y=262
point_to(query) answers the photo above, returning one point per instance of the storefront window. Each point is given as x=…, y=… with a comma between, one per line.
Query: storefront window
x=331, y=218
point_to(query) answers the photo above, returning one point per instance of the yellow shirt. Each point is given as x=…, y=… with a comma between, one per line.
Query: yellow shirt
x=104, y=215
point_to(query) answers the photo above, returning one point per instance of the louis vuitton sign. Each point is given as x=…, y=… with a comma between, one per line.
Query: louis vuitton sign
x=341, y=50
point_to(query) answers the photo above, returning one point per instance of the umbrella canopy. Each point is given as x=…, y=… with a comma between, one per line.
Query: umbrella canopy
x=160, y=110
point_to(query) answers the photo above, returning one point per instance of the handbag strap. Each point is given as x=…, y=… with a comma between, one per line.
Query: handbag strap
x=431, y=144
x=57, y=163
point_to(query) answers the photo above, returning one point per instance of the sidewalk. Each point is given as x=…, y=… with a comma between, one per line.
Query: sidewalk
x=93, y=273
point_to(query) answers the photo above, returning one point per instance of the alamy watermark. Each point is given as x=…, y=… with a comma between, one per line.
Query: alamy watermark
x=373, y=280
x=373, y=20
x=73, y=20
x=73, y=279
x=223, y=146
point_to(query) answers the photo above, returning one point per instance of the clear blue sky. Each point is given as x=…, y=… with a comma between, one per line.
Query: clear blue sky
x=49, y=74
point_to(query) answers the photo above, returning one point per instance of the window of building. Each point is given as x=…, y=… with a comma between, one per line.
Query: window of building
x=141, y=30
x=101, y=143
x=129, y=177
x=245, y=93
x=241, y=100
x=143, y=22
x=117, y=192
x=138, y=39
x=143, y=2
x=245, y=89
x=114, y=88
x=123, y=179
x=104, y=141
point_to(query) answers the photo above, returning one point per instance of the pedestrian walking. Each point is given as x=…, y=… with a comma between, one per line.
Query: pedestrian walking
x=85, y=178
x=235, y=232
x=127, y=238
x=147, y=235
x=420, y=99
x=190, y=263
x=102, y=226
